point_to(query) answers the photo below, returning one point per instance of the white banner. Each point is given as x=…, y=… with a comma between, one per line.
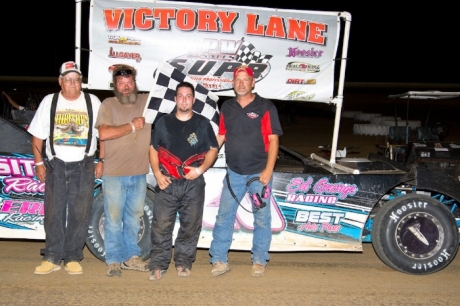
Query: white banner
x=291, y=52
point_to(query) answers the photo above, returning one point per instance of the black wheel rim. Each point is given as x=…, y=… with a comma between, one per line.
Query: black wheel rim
x=419, y=235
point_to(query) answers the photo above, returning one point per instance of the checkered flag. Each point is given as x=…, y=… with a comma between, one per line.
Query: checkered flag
x=161, y=96
x=247, y=54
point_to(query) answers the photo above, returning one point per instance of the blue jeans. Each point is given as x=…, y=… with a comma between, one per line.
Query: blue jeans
x=225, y=220
x=124, y=198
x=68, y=206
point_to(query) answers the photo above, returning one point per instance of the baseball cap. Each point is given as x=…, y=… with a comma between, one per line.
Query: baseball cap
x=69, y=67
x=245, y=69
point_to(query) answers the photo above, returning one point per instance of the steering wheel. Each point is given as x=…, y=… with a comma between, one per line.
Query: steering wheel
x=440, y=129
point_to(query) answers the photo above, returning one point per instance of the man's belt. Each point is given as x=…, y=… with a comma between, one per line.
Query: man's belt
x=174, y=167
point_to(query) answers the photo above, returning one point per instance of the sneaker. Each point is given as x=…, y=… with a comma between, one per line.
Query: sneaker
x=114, y=269
x=73, y=268
x=257, y=270
x=135, y=263
x=182, y=271
x=220, y=268
x=46, y=268
x=156, y=274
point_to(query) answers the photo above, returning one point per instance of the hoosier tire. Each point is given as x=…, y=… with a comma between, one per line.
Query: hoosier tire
x=95, y=237
x=415, y=234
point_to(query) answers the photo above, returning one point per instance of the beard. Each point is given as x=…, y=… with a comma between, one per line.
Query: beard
x=126, y=99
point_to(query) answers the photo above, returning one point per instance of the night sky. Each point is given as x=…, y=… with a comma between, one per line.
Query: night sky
x=389, y=42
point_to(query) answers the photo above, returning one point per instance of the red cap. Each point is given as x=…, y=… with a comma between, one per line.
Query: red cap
x=245, y=69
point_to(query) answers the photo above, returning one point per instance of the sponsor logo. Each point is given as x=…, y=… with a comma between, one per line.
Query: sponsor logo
x=319, y=221
x=298, y=187
x=252, y=115
x=301, y=81
x=312, y=53
x=19, y=211
x=123, y=40
x=299, y=95
x=303, y=67
x=211, y=62
x=311, y=198
x=125, y=55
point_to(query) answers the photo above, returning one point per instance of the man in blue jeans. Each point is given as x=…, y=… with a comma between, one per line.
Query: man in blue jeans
x=250, y=127
x=126, y=136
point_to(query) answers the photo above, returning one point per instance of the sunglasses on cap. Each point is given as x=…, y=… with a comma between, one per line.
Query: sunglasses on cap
x=124, y=72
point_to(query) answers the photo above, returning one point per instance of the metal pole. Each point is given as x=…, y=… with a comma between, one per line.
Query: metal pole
x=78, y=32
x=339, y=98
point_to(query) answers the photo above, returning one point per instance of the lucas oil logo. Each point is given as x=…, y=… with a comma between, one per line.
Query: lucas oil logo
x=212, y=62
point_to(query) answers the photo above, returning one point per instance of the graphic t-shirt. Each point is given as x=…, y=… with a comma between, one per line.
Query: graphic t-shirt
x=184, y=139
x=71, y=127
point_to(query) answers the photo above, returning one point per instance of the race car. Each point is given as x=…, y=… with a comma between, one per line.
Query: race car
x=408, y=211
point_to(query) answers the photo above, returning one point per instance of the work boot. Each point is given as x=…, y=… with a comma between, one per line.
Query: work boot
x=257, y=270
x=135, y=263
x=182, y=271
x=46, y=268
x=114, y=269
x=73, y=268
x=220, y=268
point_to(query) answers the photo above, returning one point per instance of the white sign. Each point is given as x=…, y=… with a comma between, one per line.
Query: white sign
x=291, y=52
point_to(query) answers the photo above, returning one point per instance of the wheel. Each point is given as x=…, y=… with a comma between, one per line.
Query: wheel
x=349, y=114
x=365, y=116
x=370, y=129
x=95, y=237
x=415, y=234
x=441, y=130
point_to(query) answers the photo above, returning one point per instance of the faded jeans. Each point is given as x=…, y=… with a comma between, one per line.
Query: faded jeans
x=225, y=220
x=68, y=205
x=124, y=198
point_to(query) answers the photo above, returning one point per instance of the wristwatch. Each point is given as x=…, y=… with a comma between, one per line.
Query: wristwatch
x=101, y=160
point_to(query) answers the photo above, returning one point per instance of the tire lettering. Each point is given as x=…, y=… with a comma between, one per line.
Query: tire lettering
x=445, y=254
x=432, y=264
x=396, y=215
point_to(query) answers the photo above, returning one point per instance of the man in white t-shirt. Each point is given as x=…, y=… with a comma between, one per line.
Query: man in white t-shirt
x=69, y=170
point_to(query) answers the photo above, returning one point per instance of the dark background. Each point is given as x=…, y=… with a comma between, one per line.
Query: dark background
x=389, y=41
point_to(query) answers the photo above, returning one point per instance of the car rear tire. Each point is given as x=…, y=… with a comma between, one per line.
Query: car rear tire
x=415, y=234
x=95, y=237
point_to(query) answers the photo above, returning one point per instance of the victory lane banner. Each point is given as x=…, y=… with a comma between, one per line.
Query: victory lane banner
x=291, y=52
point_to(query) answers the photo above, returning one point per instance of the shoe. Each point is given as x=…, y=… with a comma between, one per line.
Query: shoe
x=183, y=272
x=257, y=270
x=73, y=268
x=220, y=268
x=114, y=269
x=156, y=274
x=135, y=263
x=46, y=268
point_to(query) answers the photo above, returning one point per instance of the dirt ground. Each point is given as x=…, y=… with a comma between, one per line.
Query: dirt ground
x=304, y=278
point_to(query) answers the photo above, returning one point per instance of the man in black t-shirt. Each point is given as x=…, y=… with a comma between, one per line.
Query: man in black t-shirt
x=183, y=147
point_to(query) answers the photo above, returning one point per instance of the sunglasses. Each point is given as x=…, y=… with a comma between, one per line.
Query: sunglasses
x=124, y=72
